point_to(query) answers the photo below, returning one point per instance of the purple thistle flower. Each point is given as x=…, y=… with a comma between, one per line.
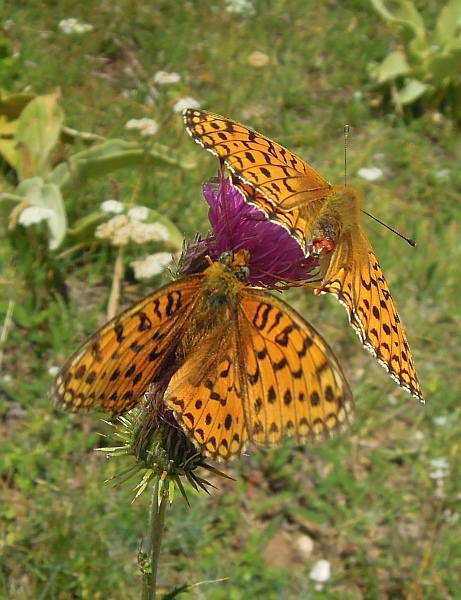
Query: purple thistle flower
x=275, y=255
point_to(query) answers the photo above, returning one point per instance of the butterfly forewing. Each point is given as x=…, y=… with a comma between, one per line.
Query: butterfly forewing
x=281, y=177
x=114, y=367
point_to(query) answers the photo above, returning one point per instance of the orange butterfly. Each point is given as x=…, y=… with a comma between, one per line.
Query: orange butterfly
x=241, y=365
x=313, y=211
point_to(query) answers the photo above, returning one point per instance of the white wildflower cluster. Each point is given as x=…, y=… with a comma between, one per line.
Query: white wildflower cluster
x=183, y=103
x=240, y=7
x=166, y=78
x=144, y=126
x=151, y=265
x=72, y=26
x=121, y=229
x=32, y=215
x=440, y=469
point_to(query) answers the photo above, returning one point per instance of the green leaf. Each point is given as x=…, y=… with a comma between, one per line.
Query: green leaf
x=444, y=69
x=8, y=202
x=110, y=156
x=47, y=195
x=448, y=26
x=413, y=90
x=403, y=13
x=8, y=151
x=12, y=106
x=393, y=65
x=38, y=131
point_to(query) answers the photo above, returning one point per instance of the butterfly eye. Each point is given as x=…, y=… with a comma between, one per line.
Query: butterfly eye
x=226, y=257
x=243, y=274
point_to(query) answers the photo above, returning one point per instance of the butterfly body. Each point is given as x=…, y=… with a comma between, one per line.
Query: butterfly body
x=240, y=365
x=324, y=219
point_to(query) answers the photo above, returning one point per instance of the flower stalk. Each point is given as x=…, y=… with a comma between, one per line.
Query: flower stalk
x=149, y=559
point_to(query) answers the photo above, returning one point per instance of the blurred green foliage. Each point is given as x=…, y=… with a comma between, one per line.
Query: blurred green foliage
x=425, y=69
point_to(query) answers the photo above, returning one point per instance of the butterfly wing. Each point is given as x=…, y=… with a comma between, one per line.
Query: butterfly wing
x=114, y=367
x=206, y=396
x=293, y=382
x=270, y=374
x=269, y=176
x=355, y=278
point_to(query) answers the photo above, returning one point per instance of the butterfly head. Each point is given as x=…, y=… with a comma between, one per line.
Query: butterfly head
x=237, y=263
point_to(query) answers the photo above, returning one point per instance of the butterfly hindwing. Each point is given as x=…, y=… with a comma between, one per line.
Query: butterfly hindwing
x=294, y=383
x=207, y=398
x=361, y=287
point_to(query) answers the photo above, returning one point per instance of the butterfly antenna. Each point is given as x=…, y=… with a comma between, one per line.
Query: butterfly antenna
x=347, y=130
x=346, y=135
x=407, y=239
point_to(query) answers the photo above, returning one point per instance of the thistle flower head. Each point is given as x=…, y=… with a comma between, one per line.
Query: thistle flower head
x=276, y=256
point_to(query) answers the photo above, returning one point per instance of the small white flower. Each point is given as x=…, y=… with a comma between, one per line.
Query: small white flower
x=370, y=173
x=70, y=26
x=450, y=517
x=305, y=546
x=165, y=78
x=34, y=214
x=151, y=265
x=53, y=370
x=417, y=436
x=438, y=474
x=439, y=463
x=320, y=572
x=441, y=421
x=112, y=206
x=440, y=468
x=358, y=95
x=183, y=103
x=240, y=7
x=145, y=126
x=443, y=174
x=138, y=213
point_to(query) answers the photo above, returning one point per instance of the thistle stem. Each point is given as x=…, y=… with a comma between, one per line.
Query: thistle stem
x=153, y=541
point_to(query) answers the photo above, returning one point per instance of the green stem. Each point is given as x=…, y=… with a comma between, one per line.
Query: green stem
x=153, y=542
